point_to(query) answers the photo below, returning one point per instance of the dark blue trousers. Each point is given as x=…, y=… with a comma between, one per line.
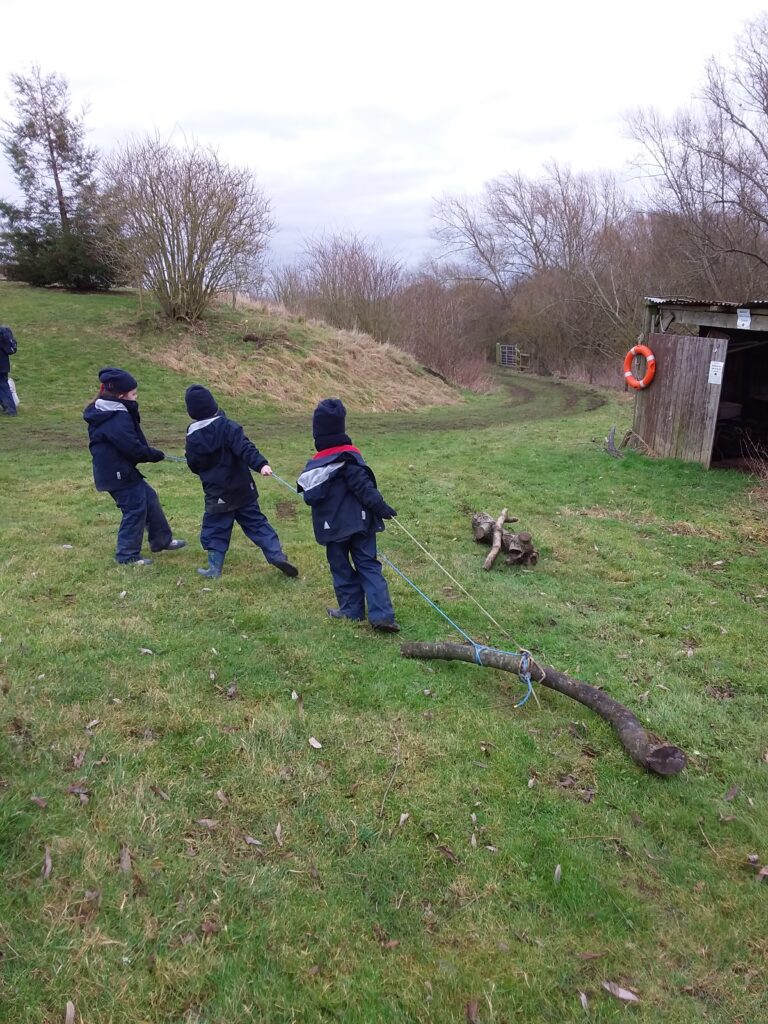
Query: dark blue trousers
x=357, y=578
x=216, y=531
x=7, y=404
x=142, y=511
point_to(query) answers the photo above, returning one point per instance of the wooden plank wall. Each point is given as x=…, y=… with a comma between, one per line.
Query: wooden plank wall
x=676, y=416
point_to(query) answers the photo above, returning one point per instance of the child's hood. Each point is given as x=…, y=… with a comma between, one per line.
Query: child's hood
x=205, y=436
x=103, y=409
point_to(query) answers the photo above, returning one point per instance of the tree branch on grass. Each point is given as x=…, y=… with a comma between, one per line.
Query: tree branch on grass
x=646, y=749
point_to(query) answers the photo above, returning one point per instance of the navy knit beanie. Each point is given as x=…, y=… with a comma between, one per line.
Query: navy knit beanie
x=329, y=424
x=119, y=381
x=201, y=405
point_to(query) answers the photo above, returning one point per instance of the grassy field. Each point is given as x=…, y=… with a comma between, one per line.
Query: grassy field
x=172, y=847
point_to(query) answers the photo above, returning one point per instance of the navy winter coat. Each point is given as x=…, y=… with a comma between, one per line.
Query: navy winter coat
x=7, y=348
x=220, y=453
x=341, y=491
x=117, y=443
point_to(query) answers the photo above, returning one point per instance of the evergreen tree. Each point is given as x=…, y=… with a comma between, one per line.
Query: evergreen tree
x=54, y=236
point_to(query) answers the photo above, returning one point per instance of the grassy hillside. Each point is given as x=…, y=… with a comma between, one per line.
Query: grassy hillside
x=149, y=713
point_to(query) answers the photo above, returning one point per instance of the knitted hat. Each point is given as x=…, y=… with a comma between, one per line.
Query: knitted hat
x=201, y=405
x=119, y=381
x=329, y=424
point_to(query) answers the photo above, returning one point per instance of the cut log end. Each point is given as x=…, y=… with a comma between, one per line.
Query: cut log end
x=666, y=760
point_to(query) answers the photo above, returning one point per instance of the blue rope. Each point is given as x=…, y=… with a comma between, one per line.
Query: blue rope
x=284, y=482
x=525, y=656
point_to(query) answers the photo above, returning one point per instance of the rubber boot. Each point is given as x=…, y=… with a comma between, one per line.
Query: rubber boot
x=215, y=565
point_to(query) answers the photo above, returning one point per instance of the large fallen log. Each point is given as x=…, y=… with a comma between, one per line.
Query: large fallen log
x=645, y=749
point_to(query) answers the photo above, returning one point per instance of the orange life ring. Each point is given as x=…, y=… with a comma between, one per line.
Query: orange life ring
x=650, y=366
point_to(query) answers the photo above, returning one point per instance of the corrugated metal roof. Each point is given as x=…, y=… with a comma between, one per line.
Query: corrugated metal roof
x=679, y=300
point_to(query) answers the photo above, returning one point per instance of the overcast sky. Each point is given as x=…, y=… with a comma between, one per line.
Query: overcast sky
x=354, y=115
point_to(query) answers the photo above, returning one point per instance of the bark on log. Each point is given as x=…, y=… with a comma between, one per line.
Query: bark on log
x=646, y=749
x=518, y=546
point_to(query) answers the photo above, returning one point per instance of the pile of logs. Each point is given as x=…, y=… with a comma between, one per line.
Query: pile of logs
x=518, y=546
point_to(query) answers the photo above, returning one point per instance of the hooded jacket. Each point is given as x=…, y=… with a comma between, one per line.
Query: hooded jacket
x=7, y=348
x=117, y=443
x=220, y=454
x=341, y=491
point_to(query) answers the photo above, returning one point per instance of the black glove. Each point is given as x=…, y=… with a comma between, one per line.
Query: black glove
x=385, y=511
x=157, y=455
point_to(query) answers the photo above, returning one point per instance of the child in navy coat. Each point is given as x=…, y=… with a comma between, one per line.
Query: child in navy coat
x=347, y=513
x=7, y=348
x=117, y=445
x=220, y=454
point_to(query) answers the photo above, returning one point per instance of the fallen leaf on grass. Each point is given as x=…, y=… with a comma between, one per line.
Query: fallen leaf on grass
x=252, y=842
x=762, y=873
x=448, y=853
x=208, y=823
x=78, y=758
x=279, y=834
x=584, y=1001
x=145, y=650
x=125, y=859
x=313, y=970
x=558, y=874
x=619, y=992
x=222, y=797
x=403, y=818
x=210, y=926
x=472, y=1012
x=93, y=723
x=39, y=800
x=315, y=743
x=122, y=594
x=732, y=792
x=159, y=792
x=80, y=790
x=47, y=863
x=231, y=693
x=69, y=1013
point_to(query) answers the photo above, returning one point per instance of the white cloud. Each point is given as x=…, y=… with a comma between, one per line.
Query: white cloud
x=355, y=116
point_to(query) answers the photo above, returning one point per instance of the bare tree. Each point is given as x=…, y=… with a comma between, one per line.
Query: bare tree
x=344, y=279
x=190, y=224
x=708, y=168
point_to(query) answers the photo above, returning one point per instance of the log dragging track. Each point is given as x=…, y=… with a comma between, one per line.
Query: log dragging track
x=645, y=749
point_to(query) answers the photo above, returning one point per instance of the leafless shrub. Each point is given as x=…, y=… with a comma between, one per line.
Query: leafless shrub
x=188, y=223
x=343, y=279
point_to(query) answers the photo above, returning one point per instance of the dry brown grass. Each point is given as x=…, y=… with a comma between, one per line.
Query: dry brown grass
x=321, y=361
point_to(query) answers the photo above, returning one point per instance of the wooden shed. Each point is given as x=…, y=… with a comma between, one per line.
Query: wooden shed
x=708, y=402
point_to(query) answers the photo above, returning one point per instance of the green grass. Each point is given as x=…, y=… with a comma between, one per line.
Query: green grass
x=652, y=582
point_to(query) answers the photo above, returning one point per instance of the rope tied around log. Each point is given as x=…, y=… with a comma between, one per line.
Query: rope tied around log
x=526, y=660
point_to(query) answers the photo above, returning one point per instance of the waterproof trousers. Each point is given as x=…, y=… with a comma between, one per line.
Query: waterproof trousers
x=7, y=404
x=357, y=579
x=216, y=531
x=142, y=511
